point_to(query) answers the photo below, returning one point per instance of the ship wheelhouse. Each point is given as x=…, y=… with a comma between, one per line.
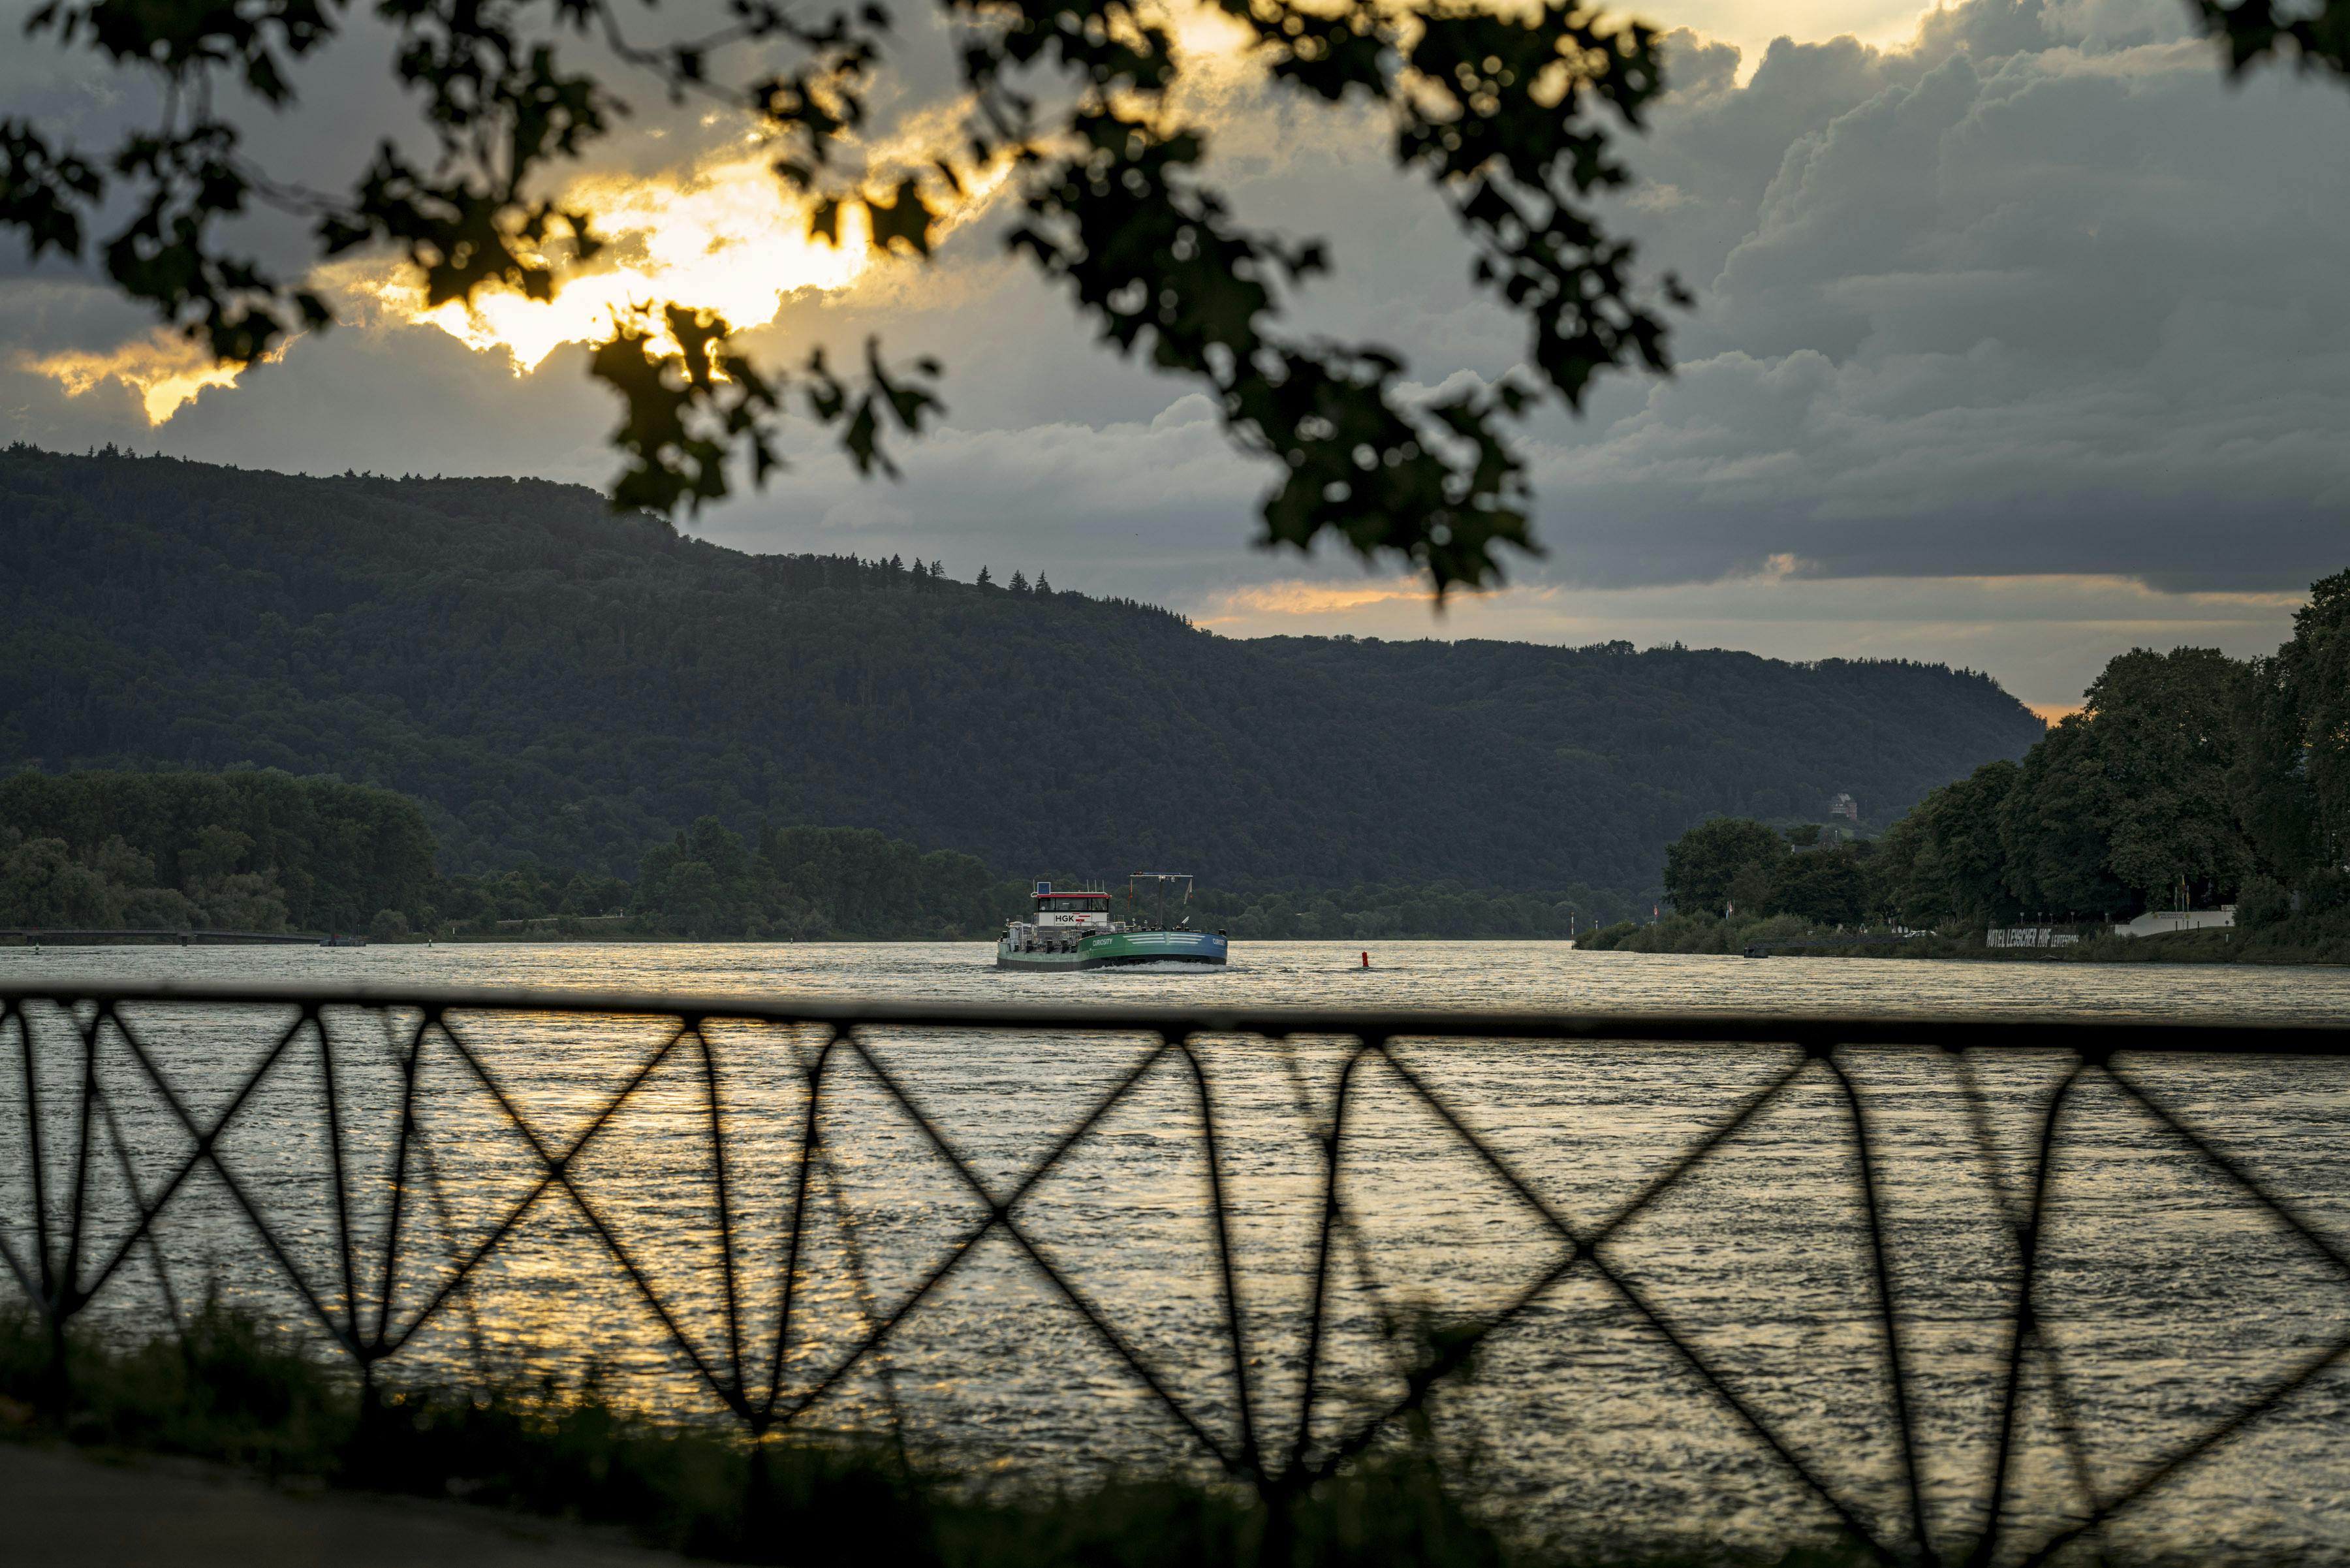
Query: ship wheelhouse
x=1060, y=919
x=1070, y=908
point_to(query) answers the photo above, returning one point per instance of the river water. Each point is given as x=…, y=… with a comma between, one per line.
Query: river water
x=2167, y=1298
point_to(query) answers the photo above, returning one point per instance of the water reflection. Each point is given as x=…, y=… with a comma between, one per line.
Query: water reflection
x=2171, y=1298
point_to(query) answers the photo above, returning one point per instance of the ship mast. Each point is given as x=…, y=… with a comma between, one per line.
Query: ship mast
x=1161, y=878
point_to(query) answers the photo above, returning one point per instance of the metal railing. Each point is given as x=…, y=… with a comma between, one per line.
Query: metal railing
x=117, y=1105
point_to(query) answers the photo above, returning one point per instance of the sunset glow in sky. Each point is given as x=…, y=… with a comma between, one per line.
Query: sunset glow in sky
x=724, y=236
x=166, y=371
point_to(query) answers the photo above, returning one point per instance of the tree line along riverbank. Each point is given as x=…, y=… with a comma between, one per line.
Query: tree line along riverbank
x=2301, y=942
x=2187, y=780
x=264, y=852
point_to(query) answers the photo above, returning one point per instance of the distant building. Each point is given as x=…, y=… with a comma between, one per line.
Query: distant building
x=1843, y=805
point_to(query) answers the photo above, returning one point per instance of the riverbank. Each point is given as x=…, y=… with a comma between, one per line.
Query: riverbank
x=2298, y=941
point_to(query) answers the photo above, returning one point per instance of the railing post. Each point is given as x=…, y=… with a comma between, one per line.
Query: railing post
x=1280, y=1494
x=53, y=1395
x=368, y=1429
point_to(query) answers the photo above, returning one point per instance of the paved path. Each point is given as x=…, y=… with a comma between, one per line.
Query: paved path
x=60, y=1509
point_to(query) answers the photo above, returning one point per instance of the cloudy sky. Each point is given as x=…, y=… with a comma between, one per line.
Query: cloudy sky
x=2016, y=344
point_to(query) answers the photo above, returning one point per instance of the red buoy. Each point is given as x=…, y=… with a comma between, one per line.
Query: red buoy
x=1366, y=960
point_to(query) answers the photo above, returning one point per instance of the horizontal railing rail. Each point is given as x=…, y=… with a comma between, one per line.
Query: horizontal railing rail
x=2089, y=1035
x=89, y=1198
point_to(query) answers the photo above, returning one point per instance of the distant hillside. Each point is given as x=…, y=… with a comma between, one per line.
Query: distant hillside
x=553, y=679
x=1705, y=731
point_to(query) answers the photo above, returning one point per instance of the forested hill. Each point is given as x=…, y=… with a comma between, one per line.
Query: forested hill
x=554, y=680
x=1733, y=732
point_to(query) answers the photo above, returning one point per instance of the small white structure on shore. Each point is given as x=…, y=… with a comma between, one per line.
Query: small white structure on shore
x=2161, y=923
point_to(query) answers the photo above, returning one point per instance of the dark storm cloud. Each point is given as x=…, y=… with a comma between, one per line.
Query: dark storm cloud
x=2040, y=295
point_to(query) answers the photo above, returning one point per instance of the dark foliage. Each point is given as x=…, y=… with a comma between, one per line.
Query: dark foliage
x=552, y=680
x=1729, y=867
x=1828, y=885
x=235, y=851
x=2143, y=793
x=1946, y=860
x=1705, y=867
x=1509, y=118
x=2314, y=36
x=2291, y=782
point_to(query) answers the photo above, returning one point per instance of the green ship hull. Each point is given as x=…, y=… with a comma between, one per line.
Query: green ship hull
x=1107, y=949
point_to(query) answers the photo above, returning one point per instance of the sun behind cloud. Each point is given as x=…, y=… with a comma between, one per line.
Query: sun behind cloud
x=724, y=236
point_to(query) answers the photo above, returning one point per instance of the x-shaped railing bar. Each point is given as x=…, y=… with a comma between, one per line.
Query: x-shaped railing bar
x=69, y=1292
x=2024, y=1222
x=1581, y=1249
x=130, y=1184
x=556, y=1170
x=55, y=1281
x=59, y=1290
x=407, y=1147
x=2263, y=1404
x=345, y=1332
x=999, y=1216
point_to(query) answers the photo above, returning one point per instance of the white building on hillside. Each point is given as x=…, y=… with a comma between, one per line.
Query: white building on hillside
x=2160, y=922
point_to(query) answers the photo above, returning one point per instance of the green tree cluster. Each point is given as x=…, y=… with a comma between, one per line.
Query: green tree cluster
x=2187, y=777
x=1731, y=865
x=2133, y=803
x=481, y=902
x=2292, y=780
x=233, y=851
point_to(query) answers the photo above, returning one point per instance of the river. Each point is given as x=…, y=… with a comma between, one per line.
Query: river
x=2168, y=1296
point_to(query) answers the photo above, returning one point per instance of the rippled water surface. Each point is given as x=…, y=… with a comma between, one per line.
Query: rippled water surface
x=2169, y=1298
